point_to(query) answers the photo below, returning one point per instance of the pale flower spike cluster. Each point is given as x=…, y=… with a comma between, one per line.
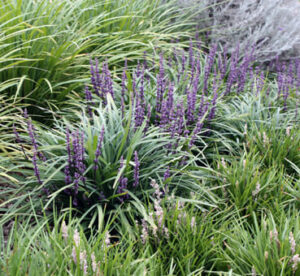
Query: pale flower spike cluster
x=295, y=259
x=83, y=257
x=159, y=228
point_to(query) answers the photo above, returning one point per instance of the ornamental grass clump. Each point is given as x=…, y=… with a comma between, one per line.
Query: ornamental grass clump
x=280, y=147
x=269, y=247
x=169, y=226
x=45, y=45
x=187, y=105
x=99, y=161
x=248, y=185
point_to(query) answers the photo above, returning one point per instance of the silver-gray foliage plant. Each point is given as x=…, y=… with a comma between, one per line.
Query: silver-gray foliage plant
x=272, y=26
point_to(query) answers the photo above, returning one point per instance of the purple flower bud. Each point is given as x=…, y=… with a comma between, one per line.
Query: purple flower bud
x=197, y=129
x=179, y=125
x=161, y=83
x=68, y=145
x=36, y=169
x=122, y=107
x=95, y=77
x=164, y=118
x=25, y=113
x=139, y=112
x=170, y=99
x=167, y=173
x=89, y=100
x=102, y=196
x=31, y=134
x=211, y=114
x=18, y=140
x=78, y=157
x=108, y=80
x=138, y=70
x=68, y=178
x=98, y=149
x=122, y=186
x=201, y=107
x=243, y=72
x=191, y=104
x=233, y=74
x=142, y=89
x=208, y=66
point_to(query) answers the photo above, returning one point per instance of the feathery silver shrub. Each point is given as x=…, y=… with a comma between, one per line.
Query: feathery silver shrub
x=273, y=26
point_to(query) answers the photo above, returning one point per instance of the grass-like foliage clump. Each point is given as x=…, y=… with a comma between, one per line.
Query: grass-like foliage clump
x=129, y=147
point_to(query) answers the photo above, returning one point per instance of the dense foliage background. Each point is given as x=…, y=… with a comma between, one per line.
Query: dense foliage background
x=137, y=139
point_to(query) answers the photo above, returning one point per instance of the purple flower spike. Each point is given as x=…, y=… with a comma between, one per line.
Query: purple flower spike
x=108, y=80
x=17, y=136
x=78, y=157
x=138, y=70
x=145, y=61
x=68, y=147
x=18, y=140
x=67, y=170
x=136, y=170
x=164, y=118
x=191, y=104
x=25, y=113
x=68, y=177
x=122, y=187
x=95, y=77
x=122, y=181
x=167, y=173
x=180, y=118
x=201, y=107
x=197, y=129
x=31, y=134
x=89, y=100
x=142, y=89
x=161, y=85
x=233, y=74
x=170, y=100
x=208, y=66
x=36, y=169
x=139, y=113
x=98, y=149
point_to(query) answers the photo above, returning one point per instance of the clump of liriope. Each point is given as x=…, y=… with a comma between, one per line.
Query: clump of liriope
x=194, y=96
x=99, y=161
x=46, y=42
x=269, y=247
x=278, y=146
x=171, y=227
x=248, y=185
x=247, y=124
x=36, y=247
x=82, y=259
